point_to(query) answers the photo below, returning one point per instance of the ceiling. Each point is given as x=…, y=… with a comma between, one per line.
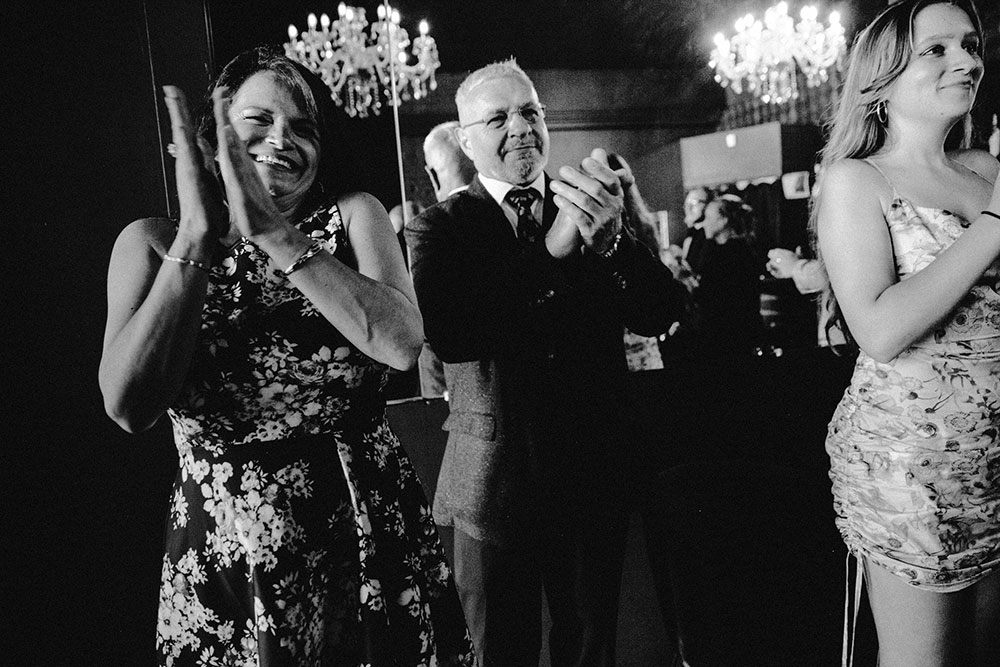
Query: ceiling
x=547, y=34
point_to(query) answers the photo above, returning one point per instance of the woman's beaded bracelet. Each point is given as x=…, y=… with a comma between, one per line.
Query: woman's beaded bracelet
x=991, y=214
x=313, y=250
x=190, y=262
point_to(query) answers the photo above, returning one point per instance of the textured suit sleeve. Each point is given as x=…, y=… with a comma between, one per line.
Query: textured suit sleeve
x=476, y=293
x=649, y=297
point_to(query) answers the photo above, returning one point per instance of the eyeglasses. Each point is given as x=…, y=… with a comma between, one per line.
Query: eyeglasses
x=500, y=120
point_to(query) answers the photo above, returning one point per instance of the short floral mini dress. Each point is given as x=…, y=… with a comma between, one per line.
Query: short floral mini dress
x=298, y=533
x=914, y=444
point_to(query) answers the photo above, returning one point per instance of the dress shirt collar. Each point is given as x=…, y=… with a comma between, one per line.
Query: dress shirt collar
x=499, y=189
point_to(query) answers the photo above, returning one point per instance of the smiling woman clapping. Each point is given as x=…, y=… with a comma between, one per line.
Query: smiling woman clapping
x=263, y=322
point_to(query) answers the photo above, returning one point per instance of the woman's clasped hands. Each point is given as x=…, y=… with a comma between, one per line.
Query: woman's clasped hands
x=204, y=196
x=203, y=215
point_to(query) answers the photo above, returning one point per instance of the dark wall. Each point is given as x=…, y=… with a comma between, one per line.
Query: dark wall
x=84, y=501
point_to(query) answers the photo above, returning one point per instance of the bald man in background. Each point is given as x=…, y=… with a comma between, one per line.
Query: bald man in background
x=450, y=171
x=448, y=167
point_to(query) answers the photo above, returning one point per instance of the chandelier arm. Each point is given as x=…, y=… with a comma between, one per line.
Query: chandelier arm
x=338, y=76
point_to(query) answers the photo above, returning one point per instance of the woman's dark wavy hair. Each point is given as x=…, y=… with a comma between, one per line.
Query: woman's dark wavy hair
x=878, y=57
x=336, y=173
x=738, y=214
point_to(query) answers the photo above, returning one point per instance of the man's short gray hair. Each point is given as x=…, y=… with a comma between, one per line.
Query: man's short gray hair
x=495, y=70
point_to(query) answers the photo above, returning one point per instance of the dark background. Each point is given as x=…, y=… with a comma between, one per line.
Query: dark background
x=84, y=502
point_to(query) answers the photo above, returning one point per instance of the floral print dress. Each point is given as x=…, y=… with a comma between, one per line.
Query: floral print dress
x=298, y=533
x=915, y=443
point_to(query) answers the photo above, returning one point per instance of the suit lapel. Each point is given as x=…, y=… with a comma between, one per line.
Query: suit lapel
x=549, y=209
x=492, y=216
x=491, y=225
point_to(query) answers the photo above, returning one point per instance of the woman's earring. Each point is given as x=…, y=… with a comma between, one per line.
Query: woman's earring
x=319, y=188
x=881, y=111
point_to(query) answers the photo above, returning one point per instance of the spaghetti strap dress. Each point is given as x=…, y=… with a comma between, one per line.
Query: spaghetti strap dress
x=298, y=533
x=914, y=444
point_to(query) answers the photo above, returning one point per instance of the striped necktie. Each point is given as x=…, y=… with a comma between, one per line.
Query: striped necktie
x=522, y=200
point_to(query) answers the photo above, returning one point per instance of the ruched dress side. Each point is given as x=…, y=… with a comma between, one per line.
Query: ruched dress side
x=914, y=445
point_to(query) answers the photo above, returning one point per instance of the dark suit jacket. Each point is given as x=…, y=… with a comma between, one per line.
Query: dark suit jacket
x=534, y=360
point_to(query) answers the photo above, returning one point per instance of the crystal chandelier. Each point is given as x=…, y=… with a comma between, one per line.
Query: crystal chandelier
x=764, y=57
x=364, y=69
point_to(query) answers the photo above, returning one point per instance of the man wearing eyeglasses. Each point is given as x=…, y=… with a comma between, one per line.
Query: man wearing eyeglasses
x=525, y=284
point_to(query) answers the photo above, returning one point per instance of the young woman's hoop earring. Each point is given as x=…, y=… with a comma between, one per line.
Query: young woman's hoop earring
x=881, y=111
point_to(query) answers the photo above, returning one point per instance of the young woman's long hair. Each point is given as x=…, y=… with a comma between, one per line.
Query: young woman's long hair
x=858, y=128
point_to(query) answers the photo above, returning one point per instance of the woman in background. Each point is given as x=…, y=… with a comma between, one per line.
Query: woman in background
x=910, y=235
x=263, y=322
x=726, y=319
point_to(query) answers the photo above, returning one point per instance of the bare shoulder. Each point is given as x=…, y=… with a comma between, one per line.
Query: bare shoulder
x=156, y=233
x=979, y=161
x=854, y=174
x=856, y=182
x=359, y=202
x=361, y=210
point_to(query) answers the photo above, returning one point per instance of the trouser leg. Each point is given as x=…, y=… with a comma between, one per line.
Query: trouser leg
x=500, y=590
x=582, y=559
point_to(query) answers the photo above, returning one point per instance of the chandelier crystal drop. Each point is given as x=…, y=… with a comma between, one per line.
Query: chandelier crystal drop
x=359, y=66
x=764, y=56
